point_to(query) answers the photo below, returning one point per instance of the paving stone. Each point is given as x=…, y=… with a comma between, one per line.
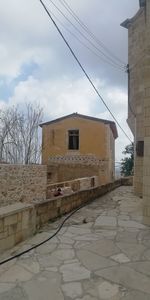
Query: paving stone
x=63, y=254
x=105, y=221
x=87, y=237
x=121, y=258
x=108, y=290
x=64, y=246
x=30, y=265
x=127, y=236
x=135, y=295
x=87, y=297
x=48, y=289
x=103, y=247
x=74, y=272
x=124, y=217
x=134, y=252
x=66, y=240
x=71, y=261
x=4, y=287
x=93, y=261
x=142, y=267
x=79, y=230
x=51, y=269
x=80, y=244
x=131, y=224
x=72, y=290
x=16, y=273
x=49, y=261
x=41, y=237
x=14, y=294
x=107, y=234
x=46, y=248
x=81, y=256
x=127, y=277
x=146, y=255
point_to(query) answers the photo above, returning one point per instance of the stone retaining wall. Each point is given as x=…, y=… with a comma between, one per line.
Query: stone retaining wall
x=22, y=183
x=19, y=221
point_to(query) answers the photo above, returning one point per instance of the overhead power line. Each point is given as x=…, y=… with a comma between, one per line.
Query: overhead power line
x=82, y=68
x=85, y=27
x=83, y=44
x=86, y=38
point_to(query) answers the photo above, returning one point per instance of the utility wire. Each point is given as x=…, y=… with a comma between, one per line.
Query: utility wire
x=85, y=37
x=82, y=24
x=82, y=43
x=82, y=68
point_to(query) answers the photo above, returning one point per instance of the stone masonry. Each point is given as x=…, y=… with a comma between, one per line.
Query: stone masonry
x=69, y=167
x=19, y=221
x=139, y=99
x=106, y=258
x=22, y=183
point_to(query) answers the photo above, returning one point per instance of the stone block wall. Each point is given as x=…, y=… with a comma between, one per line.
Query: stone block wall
x=22, y=183
x=17, y=222
x=65, y=168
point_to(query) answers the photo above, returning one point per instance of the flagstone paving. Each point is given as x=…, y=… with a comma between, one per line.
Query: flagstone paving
x=102, y=252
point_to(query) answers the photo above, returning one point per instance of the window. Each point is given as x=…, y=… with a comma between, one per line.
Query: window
x=73, y=139
x=140, y=148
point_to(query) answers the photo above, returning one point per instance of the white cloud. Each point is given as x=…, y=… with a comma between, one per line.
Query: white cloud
x=28, y=36
x=58, y=97
x=64, y=96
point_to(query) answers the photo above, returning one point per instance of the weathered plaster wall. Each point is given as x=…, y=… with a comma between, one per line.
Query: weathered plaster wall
x=92, y=138
x=95, y=140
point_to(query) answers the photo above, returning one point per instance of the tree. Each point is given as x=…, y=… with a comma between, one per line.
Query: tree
x=127, y=163
x=19, y=136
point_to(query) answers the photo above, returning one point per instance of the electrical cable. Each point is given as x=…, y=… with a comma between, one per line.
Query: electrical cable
x=82, y=43
x=82, y=68
x=82, y=24
x=46, y=240
x=84, y=36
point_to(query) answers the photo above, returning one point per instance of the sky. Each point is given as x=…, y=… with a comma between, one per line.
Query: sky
x=36, y=66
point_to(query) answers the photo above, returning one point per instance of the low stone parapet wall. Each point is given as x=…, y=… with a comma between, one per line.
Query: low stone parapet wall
x=19, y=221
x=68, y=187
x=56, y=207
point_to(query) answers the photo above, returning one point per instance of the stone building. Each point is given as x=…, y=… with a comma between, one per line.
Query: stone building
x=78, y=146
x=139, y=97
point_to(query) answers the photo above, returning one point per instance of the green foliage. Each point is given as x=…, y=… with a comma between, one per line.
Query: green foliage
x=128, y=162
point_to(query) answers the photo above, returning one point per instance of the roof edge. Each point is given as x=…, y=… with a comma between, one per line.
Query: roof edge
x=128, y=22
x=111, y=123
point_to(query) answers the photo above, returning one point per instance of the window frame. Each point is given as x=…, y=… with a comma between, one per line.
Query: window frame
x=75, y=143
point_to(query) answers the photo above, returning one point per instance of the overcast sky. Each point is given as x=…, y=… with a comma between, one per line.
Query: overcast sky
x=36, y=66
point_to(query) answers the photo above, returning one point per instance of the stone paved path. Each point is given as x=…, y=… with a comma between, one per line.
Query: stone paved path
x=103, y=252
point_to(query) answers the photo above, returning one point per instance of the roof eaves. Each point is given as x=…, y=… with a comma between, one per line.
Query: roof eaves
x=110, y=123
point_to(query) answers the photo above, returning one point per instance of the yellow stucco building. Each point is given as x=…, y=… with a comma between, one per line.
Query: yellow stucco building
x=78, y=145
